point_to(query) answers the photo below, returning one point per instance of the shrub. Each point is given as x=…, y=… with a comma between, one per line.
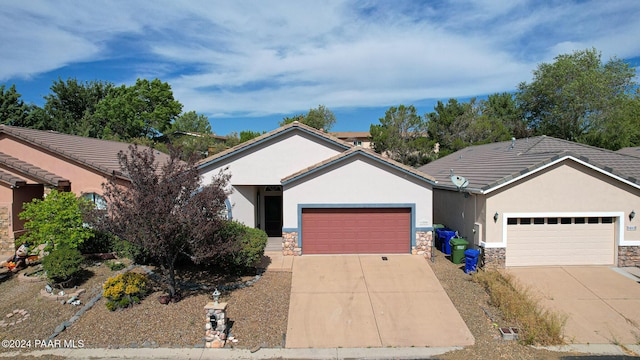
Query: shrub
x=129, y=250
x=250, y=243
x=537, y=325
x=115, y=265
x=124, y=290
x=62, y=263
x=100, y=242
x=56, y=220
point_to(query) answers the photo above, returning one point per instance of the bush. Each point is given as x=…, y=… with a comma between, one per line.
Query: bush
x=115, y=265
x=124, y=290
x=100, y=242
x=129, y=250
x=537, y=325
x=250, y=242
x=62, y=263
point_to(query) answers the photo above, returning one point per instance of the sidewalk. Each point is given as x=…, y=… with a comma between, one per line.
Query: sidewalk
x=183, y=354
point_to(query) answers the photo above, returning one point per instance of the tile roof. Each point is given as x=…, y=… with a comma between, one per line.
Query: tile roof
x=635, y=151
x=351, y=152
x=11, y=180
x=271, y=134
x=490, y=165
x=100, y=155
x=351, y=134
x=29, y=170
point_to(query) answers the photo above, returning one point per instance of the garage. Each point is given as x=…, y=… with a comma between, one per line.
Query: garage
x=576, y=240
x=356, y=230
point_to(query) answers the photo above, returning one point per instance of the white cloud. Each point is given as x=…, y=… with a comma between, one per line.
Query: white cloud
x=266, y=57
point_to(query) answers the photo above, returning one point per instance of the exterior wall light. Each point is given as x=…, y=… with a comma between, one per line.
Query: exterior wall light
x=632, y=214
x=495, y=217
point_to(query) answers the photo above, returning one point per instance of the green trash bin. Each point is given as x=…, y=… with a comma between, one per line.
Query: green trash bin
x=458, y=246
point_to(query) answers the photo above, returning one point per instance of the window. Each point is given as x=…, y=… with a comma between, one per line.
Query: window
x=607, y=220
x=580, y=220
x=357, y=143
x=565, y=221
x=512, y=221
x=552, y=221
x=525, y=221
x=538, y=221
x=98, y=200
x=593, y=220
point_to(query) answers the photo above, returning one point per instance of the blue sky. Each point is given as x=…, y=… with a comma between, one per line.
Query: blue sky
x=248, y=64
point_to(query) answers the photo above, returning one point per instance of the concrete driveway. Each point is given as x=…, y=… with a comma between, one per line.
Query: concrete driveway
x=603, y=305
x=363, y=301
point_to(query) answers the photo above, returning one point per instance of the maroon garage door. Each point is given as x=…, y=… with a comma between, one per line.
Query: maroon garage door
x=356, y=231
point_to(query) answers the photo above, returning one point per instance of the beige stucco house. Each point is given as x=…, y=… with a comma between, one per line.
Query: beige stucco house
x=355, y=138
x=33, y=161
x=324, y=195
x=542, y=201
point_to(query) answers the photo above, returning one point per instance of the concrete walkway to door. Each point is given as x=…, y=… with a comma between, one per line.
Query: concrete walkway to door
x=603, y=306
x=363, y=301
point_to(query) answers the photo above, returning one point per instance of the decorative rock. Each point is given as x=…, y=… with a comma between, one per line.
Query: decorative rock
x=9, y=315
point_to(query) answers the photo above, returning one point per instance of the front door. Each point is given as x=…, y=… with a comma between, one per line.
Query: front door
x=273, y=215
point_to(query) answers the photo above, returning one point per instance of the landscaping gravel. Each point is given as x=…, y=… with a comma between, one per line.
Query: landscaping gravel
x=472, y=303
x=257, y=314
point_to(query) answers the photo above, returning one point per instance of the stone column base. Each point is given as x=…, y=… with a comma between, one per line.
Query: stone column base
x=628, y=256
x=493, y=258
x=424, y=243
x=290, y=244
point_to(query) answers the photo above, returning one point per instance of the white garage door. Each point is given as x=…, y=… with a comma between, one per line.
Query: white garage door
x=560, y=241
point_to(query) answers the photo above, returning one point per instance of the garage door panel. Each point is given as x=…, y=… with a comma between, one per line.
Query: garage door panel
x=356, y=230
x=560, y=244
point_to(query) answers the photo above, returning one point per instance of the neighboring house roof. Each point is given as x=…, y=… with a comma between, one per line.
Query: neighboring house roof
x=352, y=135
x=100, y=155
x=272, y=134
x=11, y=180
x=355, y=151
x=490, y=166
x=29, y=170
x=635, y=151
x=197, y=134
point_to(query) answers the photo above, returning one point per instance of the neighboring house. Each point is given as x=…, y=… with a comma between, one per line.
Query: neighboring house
x=355, y=138
x=542, y=201
x=33, y=161
x=635, y=151
x=325, y=196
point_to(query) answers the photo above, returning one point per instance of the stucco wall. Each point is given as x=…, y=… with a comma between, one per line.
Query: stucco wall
x=565, y=187
x=459, y=211
x=243, y=202
x=358, y=180
x=267, y=163
x=83, y=179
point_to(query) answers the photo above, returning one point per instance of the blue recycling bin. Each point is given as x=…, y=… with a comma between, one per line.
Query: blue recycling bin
x=471, y=260
x=444, y=237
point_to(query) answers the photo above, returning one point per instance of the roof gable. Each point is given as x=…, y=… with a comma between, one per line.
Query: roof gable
x=356, y=151
x=490, y=166
x=281, y=131
x=29, y=170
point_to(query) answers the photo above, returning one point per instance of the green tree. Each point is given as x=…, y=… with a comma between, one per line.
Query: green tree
x=445, y=126
x=503, y=107
x=247, y=135
x=145, y=109
x=13, y=111
x=191, y=122
x=578, y=96
x=70, y=106
x=402, y=136
x=320, y=118
x=58, y=220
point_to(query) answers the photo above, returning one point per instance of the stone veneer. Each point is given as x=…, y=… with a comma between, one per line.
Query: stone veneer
x=216, y=325
x=493, y=258
x=424, y=242
x=7, y=243
x=628, y=256
x=290, y=244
